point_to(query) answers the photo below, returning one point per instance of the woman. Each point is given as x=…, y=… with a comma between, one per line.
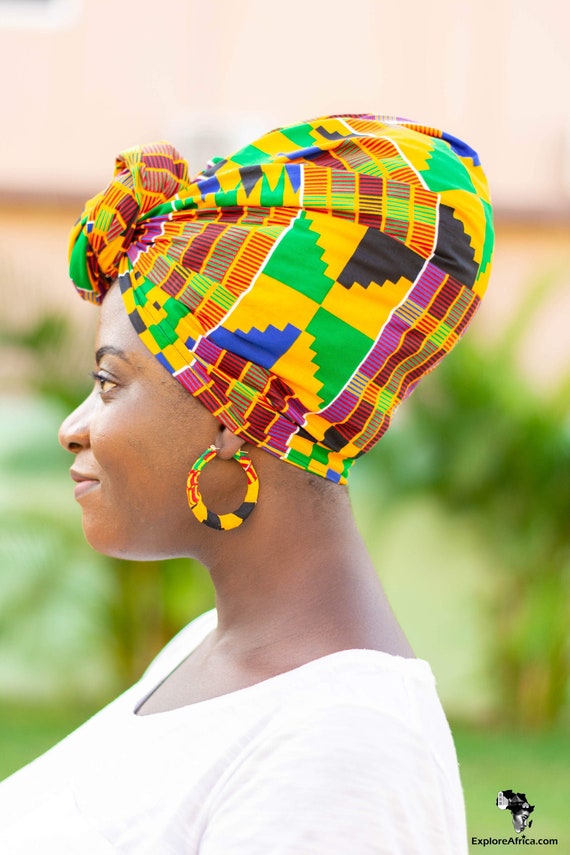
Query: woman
x=258, y=326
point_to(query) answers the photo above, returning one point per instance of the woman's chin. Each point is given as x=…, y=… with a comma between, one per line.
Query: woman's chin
x=115, y=545
x=107, y=541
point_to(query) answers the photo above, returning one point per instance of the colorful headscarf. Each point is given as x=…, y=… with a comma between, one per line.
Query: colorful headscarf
x=300, y=288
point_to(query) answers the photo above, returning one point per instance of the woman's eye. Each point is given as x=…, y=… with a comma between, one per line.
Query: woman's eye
x=104, y=383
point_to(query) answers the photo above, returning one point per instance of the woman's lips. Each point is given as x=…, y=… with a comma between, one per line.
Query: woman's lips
x=85, y=484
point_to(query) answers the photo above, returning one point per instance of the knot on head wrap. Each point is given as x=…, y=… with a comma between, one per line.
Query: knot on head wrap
x=303, y=286
x=107, y=231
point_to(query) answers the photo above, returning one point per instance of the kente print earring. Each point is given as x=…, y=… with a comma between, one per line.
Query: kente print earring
x=222, y=522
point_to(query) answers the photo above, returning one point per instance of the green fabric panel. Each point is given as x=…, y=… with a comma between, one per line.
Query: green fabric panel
x=487, y=251
x=78, y=263
x=445, y=172
x=300, y=135
x=250, y=155
x=271, y=197
x=226, y=198
x=164, y=332
x=297, y=261
x=339, y=350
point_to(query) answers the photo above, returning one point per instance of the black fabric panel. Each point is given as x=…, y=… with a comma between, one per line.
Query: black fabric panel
x=250, y=175
x=380, y=258
x=453, y=252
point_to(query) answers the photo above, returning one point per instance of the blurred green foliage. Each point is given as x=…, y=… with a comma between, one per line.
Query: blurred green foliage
x=55, y=590
x=477, y=437
x=51, y=344
x=487, y=445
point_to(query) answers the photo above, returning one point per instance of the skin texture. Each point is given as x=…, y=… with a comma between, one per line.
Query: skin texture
x=293, y=583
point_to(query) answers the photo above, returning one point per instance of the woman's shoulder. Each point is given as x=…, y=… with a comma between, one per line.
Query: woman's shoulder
x=359, y=684
x=348, y=735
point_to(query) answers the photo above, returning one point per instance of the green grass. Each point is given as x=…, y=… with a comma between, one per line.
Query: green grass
x=536, y=764
x=28, y=731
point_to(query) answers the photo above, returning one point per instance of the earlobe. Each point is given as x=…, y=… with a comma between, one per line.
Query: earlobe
x=227, y=443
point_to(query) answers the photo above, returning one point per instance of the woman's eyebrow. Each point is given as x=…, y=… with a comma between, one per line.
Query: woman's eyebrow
x=109, y=350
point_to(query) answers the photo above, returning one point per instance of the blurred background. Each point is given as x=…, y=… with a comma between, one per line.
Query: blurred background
x=465, y=502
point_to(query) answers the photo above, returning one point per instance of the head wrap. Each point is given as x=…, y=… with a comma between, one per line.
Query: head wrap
x=301, y=287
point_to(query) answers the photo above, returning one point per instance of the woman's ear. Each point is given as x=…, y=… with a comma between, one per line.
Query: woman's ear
x=227, y=443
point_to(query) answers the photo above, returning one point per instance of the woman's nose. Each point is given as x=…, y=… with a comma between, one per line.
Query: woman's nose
x=73, y=434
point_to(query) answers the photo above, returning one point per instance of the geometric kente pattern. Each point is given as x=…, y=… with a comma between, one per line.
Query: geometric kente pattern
x=301, y=287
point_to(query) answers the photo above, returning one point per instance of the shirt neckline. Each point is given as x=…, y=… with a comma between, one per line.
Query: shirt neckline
x=418, y=668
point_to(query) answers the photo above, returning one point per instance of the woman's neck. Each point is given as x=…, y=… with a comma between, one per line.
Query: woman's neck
x=300, y=582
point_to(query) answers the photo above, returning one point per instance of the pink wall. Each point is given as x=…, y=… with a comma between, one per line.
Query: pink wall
x=106, y=74
x=206, y=75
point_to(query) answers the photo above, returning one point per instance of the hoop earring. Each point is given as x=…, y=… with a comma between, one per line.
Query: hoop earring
x=222, y=522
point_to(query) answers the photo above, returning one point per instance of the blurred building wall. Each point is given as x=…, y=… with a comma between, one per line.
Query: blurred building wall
x=105, y=74
x=83, y=79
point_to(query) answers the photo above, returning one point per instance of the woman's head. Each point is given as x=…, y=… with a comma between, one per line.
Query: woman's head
x=134, y=440
x=301, y=288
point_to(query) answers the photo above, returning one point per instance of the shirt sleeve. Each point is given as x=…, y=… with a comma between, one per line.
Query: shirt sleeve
x=340, y=781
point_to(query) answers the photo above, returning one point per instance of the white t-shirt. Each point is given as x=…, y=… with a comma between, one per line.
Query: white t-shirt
x=349, y=754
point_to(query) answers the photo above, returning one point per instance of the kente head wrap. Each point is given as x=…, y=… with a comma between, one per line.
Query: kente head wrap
x=301, y=287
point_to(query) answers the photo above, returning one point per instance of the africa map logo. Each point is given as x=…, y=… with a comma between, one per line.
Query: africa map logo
x=519, y=807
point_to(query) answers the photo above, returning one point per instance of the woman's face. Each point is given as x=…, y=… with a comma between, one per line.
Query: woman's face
x=520, y=819
x=134, y=439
